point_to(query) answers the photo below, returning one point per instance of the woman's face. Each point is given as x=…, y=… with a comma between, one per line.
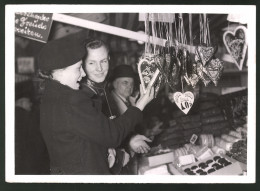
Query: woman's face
x=70, y=75
x=96, y=64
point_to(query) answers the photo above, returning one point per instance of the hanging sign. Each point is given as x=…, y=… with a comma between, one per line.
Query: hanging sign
x=34, y=26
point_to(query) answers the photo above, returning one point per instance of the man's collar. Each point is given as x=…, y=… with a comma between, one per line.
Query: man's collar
x=121, y=97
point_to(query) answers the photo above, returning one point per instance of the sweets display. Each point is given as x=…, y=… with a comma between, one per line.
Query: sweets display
x=214, y=165
x=216, y=135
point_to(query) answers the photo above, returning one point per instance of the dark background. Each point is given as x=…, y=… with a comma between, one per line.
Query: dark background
x=37, y=186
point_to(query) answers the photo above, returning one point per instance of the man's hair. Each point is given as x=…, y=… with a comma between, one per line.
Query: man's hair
x=95, y=43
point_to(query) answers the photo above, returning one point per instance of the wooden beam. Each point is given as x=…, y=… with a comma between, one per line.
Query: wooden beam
x=106, y=29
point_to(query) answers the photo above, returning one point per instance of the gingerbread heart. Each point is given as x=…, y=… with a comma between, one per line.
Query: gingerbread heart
x=236, y=45
x=214, y=70
x=205, y=53
x=148, y=71
x=184, y=101
x=174, y=71
x=205, y=79
x=193, y=77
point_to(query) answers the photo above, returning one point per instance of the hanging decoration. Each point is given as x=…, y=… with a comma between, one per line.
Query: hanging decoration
x=184, y=100
x=236, y=45
x=147, y=69
x=193, y=76
x=208, y=67
x=172, y=64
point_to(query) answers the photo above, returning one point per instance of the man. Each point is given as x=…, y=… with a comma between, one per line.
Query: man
x=119, y=99
x=96, y=67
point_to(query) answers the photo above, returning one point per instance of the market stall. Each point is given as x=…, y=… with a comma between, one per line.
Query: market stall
x=198, y=66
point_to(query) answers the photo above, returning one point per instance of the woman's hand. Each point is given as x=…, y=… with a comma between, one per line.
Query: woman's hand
x=111, y=157
x=126, y=157
x=145, y=98
x=138, y=144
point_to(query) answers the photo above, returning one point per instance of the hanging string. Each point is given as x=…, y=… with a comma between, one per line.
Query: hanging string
x=201, y=31
x=205, y=27
x=170, y=33
x=190, y=31
x=208, y=32
x=182, y=90
x=145, y=26
x=161, y=34
x=153, y=32
x=183, y=38
x=176, y=32
x=147, y=32
x=184, y=33
x=179, y=29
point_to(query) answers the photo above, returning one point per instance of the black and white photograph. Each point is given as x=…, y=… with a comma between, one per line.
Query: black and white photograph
x=121, y=93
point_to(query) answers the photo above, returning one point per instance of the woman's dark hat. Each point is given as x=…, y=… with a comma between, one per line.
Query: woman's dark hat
x=122, y=71
x=62, y=52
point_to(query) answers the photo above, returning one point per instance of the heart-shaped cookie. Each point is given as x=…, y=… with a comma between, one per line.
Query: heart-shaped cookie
x=174, y=71
x=184, y=101
x=236, y=45
x=148, y=71
x=193, y=77
x=214, y=70
x=205, y=53
x=205, y=79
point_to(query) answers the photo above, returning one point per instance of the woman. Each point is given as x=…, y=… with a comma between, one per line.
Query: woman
x=75, y=131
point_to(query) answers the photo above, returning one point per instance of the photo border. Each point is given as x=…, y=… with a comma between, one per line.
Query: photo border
x=10, y=85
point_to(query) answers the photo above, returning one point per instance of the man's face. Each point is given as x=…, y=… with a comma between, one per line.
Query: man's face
x=124, y=86
x=96, y=64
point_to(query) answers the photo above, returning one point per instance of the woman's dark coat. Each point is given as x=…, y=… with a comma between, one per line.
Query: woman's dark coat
x=76, y=132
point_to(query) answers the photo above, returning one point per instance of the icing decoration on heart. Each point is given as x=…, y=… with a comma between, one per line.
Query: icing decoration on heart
x=205, y=79
x=184, y=101
x=214, y=70
x=205, y=53
x=194, y=78
x=174, y=71
x=148, y=71
x=184, y=57
x=236, y=45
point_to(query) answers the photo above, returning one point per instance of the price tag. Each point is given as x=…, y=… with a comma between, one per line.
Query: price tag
x=193, y=139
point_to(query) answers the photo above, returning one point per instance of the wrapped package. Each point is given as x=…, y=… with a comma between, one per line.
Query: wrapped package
x=210, y=112
x=235, y=134
x=229, y=138
x=213, y=119
x=189, y=118
x=223, y=144
x=218, y=150
x=169, y=136
x=191, y=125
x=207, y=140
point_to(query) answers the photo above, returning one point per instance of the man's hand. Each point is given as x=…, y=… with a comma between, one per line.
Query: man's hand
x=133, y=99
x=138, y=144
x=155, y=130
